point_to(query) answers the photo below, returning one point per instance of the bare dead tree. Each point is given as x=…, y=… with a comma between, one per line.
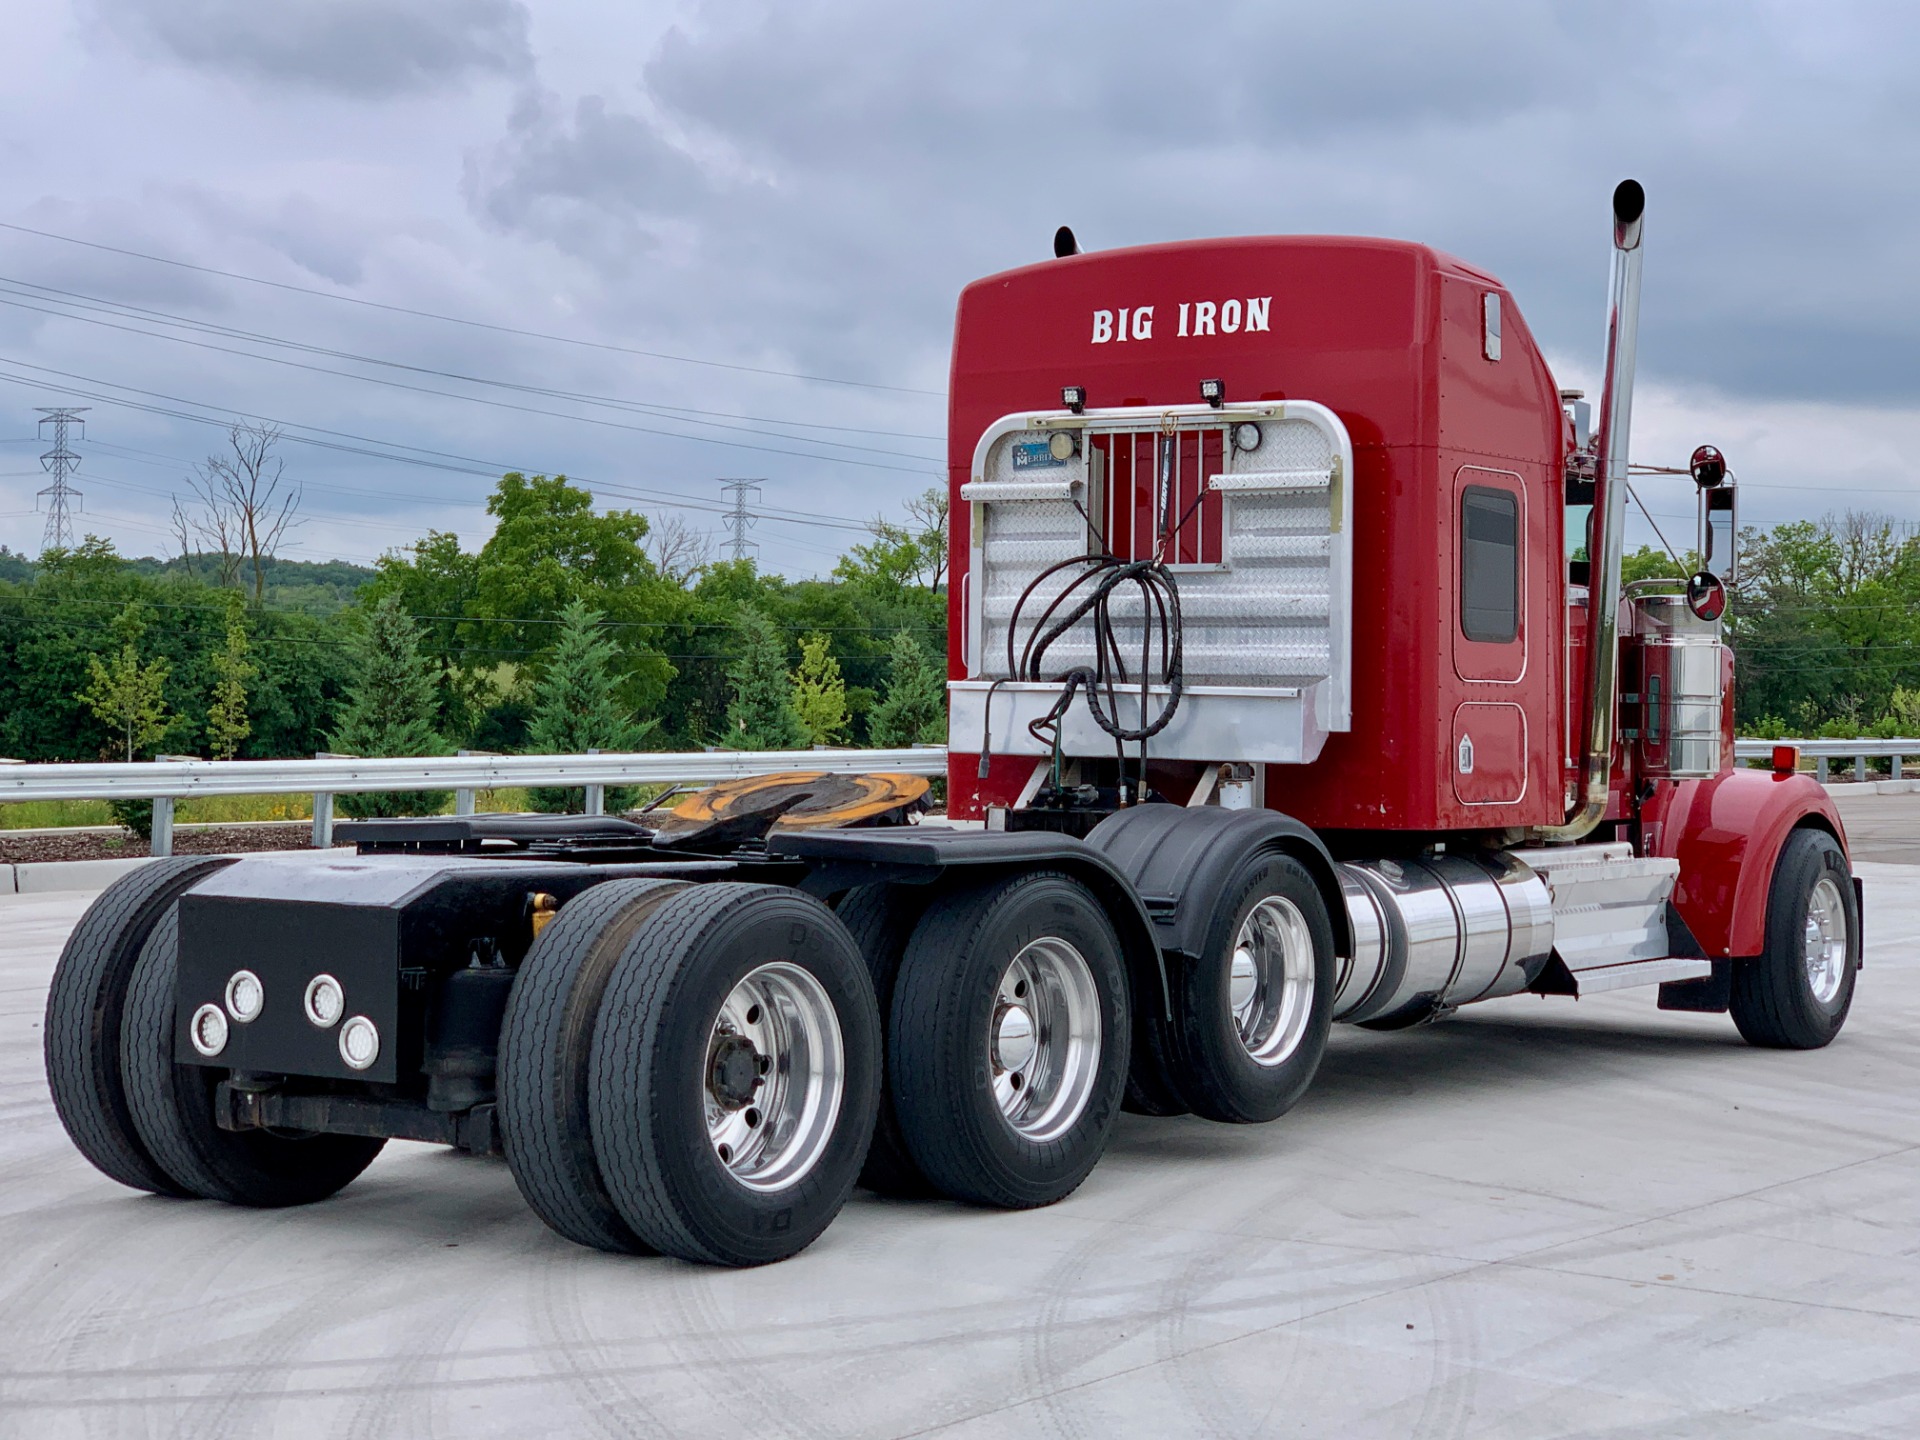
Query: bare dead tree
x=677, y=550
x=927, y=513
x=212, y=527
x=247, y=504
x=182, y=527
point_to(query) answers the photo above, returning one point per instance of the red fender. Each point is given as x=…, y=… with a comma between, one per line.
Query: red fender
x=1726, y=833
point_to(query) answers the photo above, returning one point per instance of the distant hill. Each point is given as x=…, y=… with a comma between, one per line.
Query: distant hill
x=314, y=587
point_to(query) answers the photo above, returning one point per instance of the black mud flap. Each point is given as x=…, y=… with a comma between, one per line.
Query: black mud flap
x=1711, y=994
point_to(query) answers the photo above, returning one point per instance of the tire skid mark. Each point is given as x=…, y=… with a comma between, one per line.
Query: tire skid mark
x=1047, y=1357
x=574, y=1353
x=707, y=1343
x=412, y=1375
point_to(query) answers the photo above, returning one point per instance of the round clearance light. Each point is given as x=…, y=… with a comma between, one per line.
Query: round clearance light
x=1060, y=445
x=359, y=1043
x=208, y=1030
x=324, y=1002
x=246, y=996
x=1246, y=436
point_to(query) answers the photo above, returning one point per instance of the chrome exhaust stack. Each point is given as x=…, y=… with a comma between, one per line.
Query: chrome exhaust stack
x=1602, y=679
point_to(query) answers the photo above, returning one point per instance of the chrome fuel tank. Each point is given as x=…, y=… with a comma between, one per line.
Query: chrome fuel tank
x=1438, y=932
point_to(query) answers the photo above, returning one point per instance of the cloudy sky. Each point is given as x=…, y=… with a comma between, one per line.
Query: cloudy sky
x=675, y=244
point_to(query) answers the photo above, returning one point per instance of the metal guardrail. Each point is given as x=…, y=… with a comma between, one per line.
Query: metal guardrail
x=167, y=781
x=1824, y=752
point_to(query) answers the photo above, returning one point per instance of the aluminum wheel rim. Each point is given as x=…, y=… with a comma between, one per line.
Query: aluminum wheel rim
x=775, y=1076
x=1826, y=940
x=1270, y=989
x=1043, y=1039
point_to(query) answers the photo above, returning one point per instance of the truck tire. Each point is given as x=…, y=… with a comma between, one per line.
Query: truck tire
x=881, y=919
x=735, y=1075
x=1252, y=1012
x=546, y=1044
x=1796, y=993
x=85, y=1006
x=1010, y=1034
x=1149, y=1091
x=173, y=1110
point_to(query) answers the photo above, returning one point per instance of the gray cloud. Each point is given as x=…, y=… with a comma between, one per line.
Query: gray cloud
x=901, y=152
x=363, y=48
x=806, y=187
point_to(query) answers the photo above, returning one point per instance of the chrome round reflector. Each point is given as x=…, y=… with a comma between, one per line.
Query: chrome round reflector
x=208, y=1030
x=359, y=1043
x=246, y=996
x=324, y=1001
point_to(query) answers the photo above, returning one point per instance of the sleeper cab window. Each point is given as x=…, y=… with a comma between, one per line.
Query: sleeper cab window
x=1489, y=564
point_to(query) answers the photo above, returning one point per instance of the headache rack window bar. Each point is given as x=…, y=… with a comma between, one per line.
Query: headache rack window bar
x=993, y=492
x=1256, y=480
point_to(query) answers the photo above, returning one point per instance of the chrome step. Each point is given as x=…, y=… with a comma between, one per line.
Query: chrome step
x=1609, y=905
x=1598, y=978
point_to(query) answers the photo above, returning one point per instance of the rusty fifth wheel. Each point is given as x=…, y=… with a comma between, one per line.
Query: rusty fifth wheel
x=735, y=1073
x=1009, y=1039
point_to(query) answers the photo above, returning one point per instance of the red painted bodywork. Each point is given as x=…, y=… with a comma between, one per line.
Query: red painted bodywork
x=1389, y=336
x=1726, y=833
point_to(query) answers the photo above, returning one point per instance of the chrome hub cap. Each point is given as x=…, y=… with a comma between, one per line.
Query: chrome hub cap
x=1043, y=1041
x=1826, y=940
x=775, y=1076
x=1270, y=988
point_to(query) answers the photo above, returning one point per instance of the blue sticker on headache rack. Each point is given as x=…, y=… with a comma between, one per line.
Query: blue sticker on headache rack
x=1035, y=455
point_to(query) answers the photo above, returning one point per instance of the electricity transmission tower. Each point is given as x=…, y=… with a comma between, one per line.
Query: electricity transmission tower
x=59, y=462
x=740, y=519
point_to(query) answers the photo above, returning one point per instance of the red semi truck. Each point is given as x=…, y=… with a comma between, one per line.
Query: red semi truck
x=1292, y=680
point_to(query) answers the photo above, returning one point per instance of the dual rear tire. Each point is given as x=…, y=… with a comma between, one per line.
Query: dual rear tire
x=137, y=1116
x=690, y=1070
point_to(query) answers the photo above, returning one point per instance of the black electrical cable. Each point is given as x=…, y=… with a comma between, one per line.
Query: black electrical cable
x=1092, y=592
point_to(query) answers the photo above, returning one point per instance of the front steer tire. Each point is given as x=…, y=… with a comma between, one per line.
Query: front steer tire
x=945, y=1069
x=173, y=1107
x=85, y=1008
x=734, y=998
x=546, y=1042
x=1776, y=1002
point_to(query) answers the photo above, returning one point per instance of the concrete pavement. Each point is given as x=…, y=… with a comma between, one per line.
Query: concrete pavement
x=1541, y=1218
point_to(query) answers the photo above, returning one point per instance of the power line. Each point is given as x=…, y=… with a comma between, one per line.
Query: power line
x=534, y=409
x=380, y=449
x=461, y=320
x=740, y=519
x=74, y=300
x=59, y=462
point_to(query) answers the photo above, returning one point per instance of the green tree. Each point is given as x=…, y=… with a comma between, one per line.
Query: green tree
x=126, y=695
x=390, y=710
x=577, y=707
x=227, y=722
x=761, y=715
x=819, y=693
x=438, y=583
x=914, y=709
